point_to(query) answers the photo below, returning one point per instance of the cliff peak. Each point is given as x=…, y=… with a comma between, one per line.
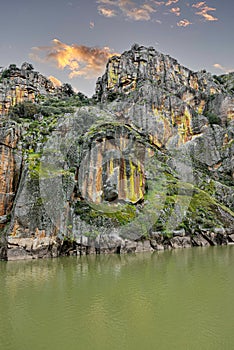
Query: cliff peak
x=142, y=65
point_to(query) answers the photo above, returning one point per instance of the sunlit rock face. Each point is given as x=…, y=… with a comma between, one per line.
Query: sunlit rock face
x=112, y=167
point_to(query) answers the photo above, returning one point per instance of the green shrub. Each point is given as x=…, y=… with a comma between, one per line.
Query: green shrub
x=114, y=96
x=24, y=110
x=213, y=118
x=5, y=74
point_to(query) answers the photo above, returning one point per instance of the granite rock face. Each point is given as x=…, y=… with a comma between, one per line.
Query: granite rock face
x=10, y=172
x=149, y=167
x=10, y=168
x=134, y=68
x=24, y=84
x=172, y=104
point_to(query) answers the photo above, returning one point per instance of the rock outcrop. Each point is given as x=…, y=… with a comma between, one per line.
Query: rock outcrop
x=149, y=167
x=52, y=247
x=24, y=84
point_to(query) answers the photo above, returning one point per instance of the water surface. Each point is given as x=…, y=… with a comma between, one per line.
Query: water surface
x=180, y=299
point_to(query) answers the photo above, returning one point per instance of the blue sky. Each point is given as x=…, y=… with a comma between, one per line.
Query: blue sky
x=71, y=40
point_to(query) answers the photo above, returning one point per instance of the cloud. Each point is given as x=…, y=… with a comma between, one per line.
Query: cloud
x=148, y=7
x=159, y=3
x=222, y=68
x=80, y=60
x=175, y=10
x=203, y=9
x=107, y=2
x=142, y=13
x=106, y=12
x=205, y=15
x=127, y=8
x=199, y=4
x=143, y=10
x=184, y=23
x=55, y=81
x=170, y=2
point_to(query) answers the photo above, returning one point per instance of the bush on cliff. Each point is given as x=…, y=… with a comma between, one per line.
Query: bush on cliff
x=213, y=118
x=23, y=110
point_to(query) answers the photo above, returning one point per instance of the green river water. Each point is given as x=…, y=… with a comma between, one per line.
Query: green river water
x=181, y=299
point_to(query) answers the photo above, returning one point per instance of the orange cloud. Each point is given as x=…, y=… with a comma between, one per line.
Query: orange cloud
x=175, y=10
x=203, y=9
x=80, y=60
x=170, y=2
x=207, y=16
x=55, y=81
x=183, y=23
x=222, y=68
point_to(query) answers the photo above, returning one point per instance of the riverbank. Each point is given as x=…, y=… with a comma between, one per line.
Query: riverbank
x=53, y=247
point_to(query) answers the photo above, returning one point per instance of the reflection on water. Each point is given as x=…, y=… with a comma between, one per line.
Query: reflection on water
x=180, y=299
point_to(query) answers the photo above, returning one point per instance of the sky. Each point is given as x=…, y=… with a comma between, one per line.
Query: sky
x=70, y=41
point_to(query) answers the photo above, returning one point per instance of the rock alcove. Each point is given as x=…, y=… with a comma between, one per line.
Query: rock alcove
x=112, y=167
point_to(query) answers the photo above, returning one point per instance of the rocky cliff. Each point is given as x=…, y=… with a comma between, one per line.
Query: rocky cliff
x=148, y=166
